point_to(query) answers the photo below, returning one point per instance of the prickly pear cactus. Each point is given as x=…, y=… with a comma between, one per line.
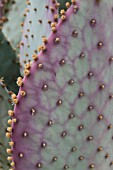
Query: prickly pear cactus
x=63, y=114
x=39, y=16
x=9, y=67
x=12, y=28
x=5, y=105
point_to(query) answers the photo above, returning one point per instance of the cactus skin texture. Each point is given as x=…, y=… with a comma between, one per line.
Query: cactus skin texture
x=39, y=16
x=65, y=119
x=5, y=105
x=12, y=28
x=8, y=61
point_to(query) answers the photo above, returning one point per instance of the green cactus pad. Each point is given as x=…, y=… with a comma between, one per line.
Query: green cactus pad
x=9, y=67
x=5, y=105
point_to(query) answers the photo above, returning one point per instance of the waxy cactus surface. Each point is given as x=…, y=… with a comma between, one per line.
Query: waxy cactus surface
x=64, y=112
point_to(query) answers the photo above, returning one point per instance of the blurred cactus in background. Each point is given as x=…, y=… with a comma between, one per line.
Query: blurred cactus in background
x=56, y=84
x=5, y=105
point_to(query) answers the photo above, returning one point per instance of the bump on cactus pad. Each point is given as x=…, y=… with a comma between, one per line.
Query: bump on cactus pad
x=65, y=119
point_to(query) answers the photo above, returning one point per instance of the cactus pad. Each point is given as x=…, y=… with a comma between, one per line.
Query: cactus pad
x=64, y=110
x=5, y=105
x=7, y=62
x=12, y=28
x=39, y=16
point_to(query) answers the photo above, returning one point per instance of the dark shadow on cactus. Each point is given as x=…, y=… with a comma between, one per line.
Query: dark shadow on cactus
x=9, y=66
x=62, y=4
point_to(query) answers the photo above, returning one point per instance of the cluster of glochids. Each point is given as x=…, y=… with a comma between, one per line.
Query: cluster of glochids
x=27, y=66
